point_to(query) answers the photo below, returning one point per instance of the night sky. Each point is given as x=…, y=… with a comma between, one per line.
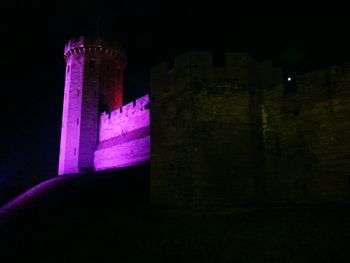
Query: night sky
x=299, y=37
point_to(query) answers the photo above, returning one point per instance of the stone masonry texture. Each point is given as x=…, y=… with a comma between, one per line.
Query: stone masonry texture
x=237, y=133
x=216, y=132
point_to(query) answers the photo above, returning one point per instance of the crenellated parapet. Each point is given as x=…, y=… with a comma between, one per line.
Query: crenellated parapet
x=314, y=86
x=83, y=45
x=199, y=70
x=124, y=136
x=202, y=60
x=131, y=116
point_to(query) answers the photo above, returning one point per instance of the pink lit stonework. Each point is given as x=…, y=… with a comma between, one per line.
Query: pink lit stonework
x=94, y=82
x=124, y=136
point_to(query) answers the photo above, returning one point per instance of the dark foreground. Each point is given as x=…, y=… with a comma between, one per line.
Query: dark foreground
x=95, y=221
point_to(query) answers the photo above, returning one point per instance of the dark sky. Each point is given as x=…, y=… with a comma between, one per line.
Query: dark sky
x=298, y=35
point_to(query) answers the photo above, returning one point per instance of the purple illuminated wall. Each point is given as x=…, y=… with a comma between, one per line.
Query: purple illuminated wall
x=124, y=136
x=72, y=108
x=94, y=82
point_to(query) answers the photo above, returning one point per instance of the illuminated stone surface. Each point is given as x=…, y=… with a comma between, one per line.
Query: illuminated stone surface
x=124, y=136
x=94, y=83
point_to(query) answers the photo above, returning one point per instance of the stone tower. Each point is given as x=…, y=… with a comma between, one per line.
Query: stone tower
x=206, y=130
x=94, y=83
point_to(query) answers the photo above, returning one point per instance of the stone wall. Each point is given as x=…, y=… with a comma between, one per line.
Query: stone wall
x=222, y=133
x=124, y=136
x=206, y=138
x=307, y=137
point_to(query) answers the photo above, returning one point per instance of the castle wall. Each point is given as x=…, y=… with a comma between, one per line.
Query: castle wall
x=238, y=133
x=221, y=134
x=204, y=134
x=307, y=138
x=124, y=136
x=223, y=149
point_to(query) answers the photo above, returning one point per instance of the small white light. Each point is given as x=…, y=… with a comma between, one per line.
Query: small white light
x=289, y=79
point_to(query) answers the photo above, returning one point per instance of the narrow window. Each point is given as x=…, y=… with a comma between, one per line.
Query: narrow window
x=68, y=67
x=78, y=92
x=77, y=120
x=75, y=151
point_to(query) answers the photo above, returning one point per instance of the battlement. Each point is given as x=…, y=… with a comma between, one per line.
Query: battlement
x=131, y=116
x=201, y=60
x=128, y=109
x=124, y=136
x=318, y=84
x=84, y=44
x=219, y=73
x=320, y=73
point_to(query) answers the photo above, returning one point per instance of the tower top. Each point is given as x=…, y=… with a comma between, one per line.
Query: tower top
x=83, y=44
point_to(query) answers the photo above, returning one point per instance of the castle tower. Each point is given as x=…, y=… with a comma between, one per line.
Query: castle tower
x=94, y=83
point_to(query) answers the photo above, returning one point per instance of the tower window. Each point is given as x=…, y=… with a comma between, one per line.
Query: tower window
x=77, y=120
x=68, y=67
x=78, y=92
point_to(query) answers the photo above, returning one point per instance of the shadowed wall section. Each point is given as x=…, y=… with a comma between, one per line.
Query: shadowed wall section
x=124, y=137
x=206, y=130
x=307, y=137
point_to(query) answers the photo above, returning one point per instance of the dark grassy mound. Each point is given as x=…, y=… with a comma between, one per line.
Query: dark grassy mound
x=107, y=219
